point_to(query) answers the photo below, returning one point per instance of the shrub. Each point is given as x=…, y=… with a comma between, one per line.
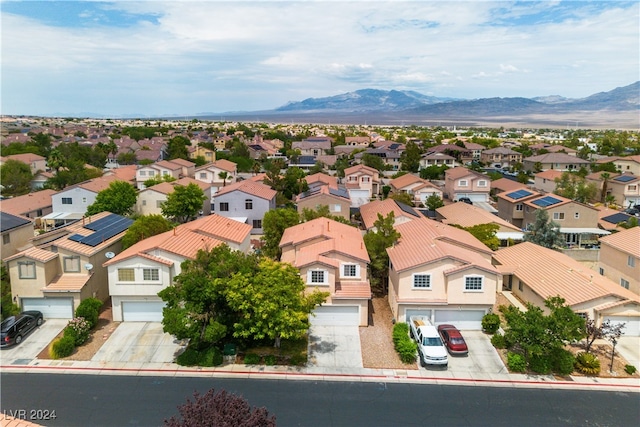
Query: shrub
x=563, y=361
x=270, y=360
x=189, y=357
x=540, y=364
x=251, y=359
x=516, y=362
x=62, y=347
x=499, y=341
x=298, y=360
x=79, y=329
x=630, y=369
x=211, y=356
x=403, y=344
x=90, y=310
x=400, y=331
x=490, y=323
x=587, y=363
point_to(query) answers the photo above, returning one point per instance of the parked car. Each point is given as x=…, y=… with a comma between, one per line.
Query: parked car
x=465, y=200
x=15, y=328
x=453, y=340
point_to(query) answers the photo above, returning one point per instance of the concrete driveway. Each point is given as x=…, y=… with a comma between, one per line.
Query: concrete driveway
x=629, y=348
x=482, y=357
x=33, y=343
x=334, y=347
x=142, y=342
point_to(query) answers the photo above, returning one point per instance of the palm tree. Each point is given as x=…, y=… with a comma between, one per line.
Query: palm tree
x=605, y=184
x=223, y=176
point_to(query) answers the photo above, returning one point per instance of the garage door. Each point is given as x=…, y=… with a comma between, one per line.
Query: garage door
x=632, y=327
x=461, y=319
x=142, y=311
x=336, y=315
x=51, y=308
x=359, y=197
x=474, y=197
x=415, y=312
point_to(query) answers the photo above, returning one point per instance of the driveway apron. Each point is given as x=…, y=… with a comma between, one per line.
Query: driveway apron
x=334, y=347
x=33, y=343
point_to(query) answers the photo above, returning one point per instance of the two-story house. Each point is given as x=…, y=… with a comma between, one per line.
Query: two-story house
x=625, y=188
x=442, y=272
x=501, y=157
x=331, y=257
x=150, y=199
x=627, y=164
x=557, y=161
x=401, y=212
x=462, y=182
x=245, y=201
x=158, y=170
x=207, y=154
x=213, y=173
x=138, y=273
x=545, y=181
x=35, y=161
x=336, y=199
x=16, y=231
x=419, y=189
x=33, y=205
x=620, y=258
x=437, y=159
x=363, y=184
x=64, y=266
x=511, y=205
x=313, y=146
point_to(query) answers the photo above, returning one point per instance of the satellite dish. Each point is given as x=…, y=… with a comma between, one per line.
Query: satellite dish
x=109, y=255
x=88, y=266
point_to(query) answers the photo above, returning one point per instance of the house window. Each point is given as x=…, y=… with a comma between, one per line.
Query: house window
x=632, y=188
x=317, y=277
x=84, y=200
x=165, y=173
x=558, y=216
x=150, y=274
x=576, y=215
x=39, y=212
x=257, y=223
x=67, y=201
x=601, y=271
x=422, y=281
x=152, y=173
x=159, y=204
x=143, y=173
x=350, y=270
x=203, y=175
x=631, y=261
x=6, y=239
x=624, y=283
x=519, y=207
x=71, y=264
x=520, y=286
x=126, y=275
x=473, y=283
x=482, y=183
x=463, y=183
x=248, y=204
x=26, y=269
x=144, y=203
x=337, y=208
x=365, y=179
x=224, y=207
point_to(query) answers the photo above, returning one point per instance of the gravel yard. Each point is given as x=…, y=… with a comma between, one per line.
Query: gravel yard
x=376, y=341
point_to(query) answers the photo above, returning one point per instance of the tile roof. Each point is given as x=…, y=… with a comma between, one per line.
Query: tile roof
x=225, y=165
x=369, y=211
x=78, y=228
x=467, y=215
x=556, y=158
x=182, y=162
x=35, y=254
x=95, y=185
x=250, y=187
x=324, y=190
x=124, y=173
x=561, y=274
x=25, y=157
x=167, y=164
x=550, y=174
x=352, y=290
x=29, y=202
x=331, y=181
x=626, y=241
x=505, y=184
x=460, y=172
x=423, y=241
x=68, y=282
x=405, y=180
x=9, y=221
x=359, y=168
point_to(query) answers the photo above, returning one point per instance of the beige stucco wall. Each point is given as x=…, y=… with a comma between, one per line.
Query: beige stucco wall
x=315, y=202
x=615, y=265
x=17, y=238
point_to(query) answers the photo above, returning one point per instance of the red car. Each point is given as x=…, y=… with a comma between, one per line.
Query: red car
x=453, y=340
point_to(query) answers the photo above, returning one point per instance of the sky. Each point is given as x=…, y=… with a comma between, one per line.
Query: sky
x=150, y=58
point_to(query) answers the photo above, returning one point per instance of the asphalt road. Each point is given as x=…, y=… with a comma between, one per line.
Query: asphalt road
x=90, y=400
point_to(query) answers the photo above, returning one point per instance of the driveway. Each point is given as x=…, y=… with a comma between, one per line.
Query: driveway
x=334, y=347
x=482, y=357
x=33, y=343
x=629, y=348
x=143, y=342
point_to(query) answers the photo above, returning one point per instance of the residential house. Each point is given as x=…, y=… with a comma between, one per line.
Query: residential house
x=390, y=158
x=442, y=272
x=463, y=182
x=462, y=155
x=620, y=258
x=123, y=173
x=313, y=146
x=207, y=154
x=188, y=168
x=557, y=148
x=336, y=199
x=16, y=232
x=33, y=205
x=475, y=149
x=210, y=173
x=246, y=201
x=401, y=212
x=363, y=184
x=625, y=188
x=150, y=199
x=138, y=273
x=557, y=161
x=505, y=184
x=610, y=219
x=331, y=257
x=501, y=157
x=321, y=179
x=357, y=141
x=437, y=159
x=40, y=179
x=511, y=205
x=157, y=170
x=64, y=267
x=36, y=162
x=466, y=215
x=628, y=164
x=545, y=181
x=584, y=290
x=419, y=189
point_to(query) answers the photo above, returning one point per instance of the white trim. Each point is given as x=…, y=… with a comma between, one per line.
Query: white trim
x=413, y=281
x=325, y=277
x=474, y=276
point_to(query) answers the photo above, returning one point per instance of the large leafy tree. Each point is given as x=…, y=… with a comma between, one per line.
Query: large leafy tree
x=373, y=161
x=119, y=198
x=321, y=211
x=15, y=177
x=271, y=304
x=377, y=243
x=144, y=227
x=573, y=186
x=434, y=202
x=177, y=148
x=543, y=231
x=184, y=203
x=410, y=157
x=273, y=225
x=486, y=233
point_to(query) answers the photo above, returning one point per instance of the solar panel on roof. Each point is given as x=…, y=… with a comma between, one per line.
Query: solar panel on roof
x=103, y=229
x=625, y=178
x=407, y=209
x=340, y=192
x=617, y=218
x=102, y=222
x=519, y=194
x=546, y=201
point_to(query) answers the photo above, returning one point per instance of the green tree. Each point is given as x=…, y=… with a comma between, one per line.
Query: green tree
x=410, y=157
x=177, y=148
x=377, y=243
x=405, y=198
x=56, y=160
x=184, y=203
x=373, y=161
x=223, y=176
x=8, y=307
x=273, y=225
x=119, y=198
x=574, y=187
x=15, y=177
x=271, y=303
x=433, y=172
x=434, y=202
x=157, y=180
x=605, y=176
x=486, y=233
x=321, y=211
x=144, y=227
x=544, y=232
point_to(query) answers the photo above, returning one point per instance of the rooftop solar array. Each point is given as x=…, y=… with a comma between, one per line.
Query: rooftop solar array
x=340, y=192
x=519, y=194
x=406, y=208
x=617, y=218
x=546, y=201
x=103, y=229
x=625, y=178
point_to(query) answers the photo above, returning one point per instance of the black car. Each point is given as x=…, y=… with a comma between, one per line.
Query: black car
x=465, y=200
x=15, y=328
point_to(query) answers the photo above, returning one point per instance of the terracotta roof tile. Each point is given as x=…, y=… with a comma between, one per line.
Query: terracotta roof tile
x=68, y=282
x=29, y=202
x=369, y=211
x=35, y=254
x=249, y=187
x=352, y=290
x=467, y=215
x=626, y=241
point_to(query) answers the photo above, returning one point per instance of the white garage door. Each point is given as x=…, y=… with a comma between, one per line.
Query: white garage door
x=51, y=308
x=416, y=312
x=461, y=319
x=632, y=327
x=142, y=311
x=336, y=315
x=359, y=197
x=474, y=197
